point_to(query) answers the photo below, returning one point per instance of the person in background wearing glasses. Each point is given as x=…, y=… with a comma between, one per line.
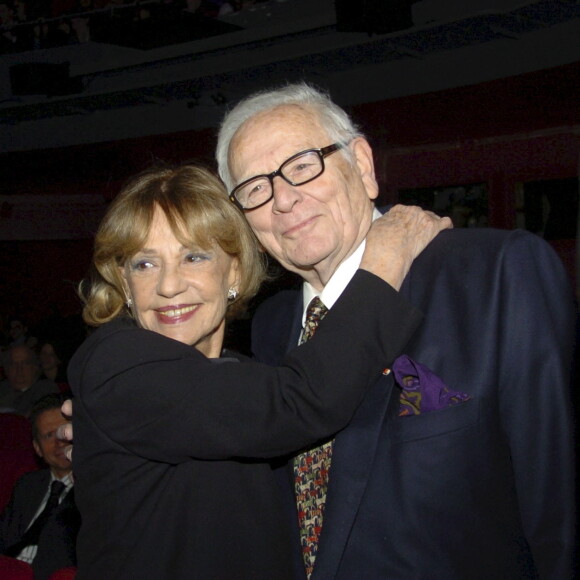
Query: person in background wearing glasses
x=459, y=463
x=22, y=386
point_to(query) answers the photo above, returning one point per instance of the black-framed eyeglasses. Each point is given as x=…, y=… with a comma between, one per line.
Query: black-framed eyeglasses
x=299, y=169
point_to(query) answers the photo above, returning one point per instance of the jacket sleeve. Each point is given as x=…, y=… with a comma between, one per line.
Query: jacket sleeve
x=8, y=524
x=165, y=401
x=536, y=353
x=20, y=509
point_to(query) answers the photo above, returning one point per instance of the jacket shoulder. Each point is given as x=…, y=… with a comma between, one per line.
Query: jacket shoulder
x=31, y=479
x=120, y=345
x=482, y=245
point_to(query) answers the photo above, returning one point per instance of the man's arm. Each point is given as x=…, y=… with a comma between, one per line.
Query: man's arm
x=534, y=383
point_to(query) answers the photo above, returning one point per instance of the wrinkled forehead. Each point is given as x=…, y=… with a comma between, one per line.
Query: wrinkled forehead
x=21, y=355
x=277, y=133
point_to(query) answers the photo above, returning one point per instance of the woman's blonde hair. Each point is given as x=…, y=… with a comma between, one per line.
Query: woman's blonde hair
x=196, y=205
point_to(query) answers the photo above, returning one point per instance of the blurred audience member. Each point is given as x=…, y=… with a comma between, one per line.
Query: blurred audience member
x=81, y=29
x=229, y=6
x=23, y=386
x=40, y=37
x=8, y=37
x=53, y=361
x=40, y=523
x=59, y=7
x=20, y=11
x=17, y=332
x=61, y=34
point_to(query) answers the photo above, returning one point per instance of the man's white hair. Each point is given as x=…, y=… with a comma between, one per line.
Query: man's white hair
x=339, y=126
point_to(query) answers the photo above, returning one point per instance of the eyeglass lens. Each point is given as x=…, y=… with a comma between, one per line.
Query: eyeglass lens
x=296, y=171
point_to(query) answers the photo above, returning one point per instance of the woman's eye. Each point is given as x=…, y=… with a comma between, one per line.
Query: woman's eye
x=141, y=265
x=195, y=258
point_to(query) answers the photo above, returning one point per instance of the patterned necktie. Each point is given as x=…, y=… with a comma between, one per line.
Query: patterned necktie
x=311, y=467
x=32, y=534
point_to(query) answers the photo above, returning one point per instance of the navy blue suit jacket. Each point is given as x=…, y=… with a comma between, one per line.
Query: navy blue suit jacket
x=56, y=545
x=483, y=490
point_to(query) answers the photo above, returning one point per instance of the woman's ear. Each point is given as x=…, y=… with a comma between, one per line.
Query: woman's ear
x=125, y=287
x=235, y=275
x=363, y=155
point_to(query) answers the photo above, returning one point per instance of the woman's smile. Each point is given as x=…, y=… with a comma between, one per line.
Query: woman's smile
x=176, y=314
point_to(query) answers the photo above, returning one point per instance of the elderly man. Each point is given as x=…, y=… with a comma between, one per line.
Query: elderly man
x=40, y=524
x=459, y=464
x=22, y=386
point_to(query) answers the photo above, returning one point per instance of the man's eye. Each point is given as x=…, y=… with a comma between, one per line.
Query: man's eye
x=256, y=188
x=301, y=169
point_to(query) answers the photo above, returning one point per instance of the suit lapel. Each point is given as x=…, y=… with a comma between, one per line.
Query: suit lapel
x=352, y=460
x=296, y=326
x=37, y=493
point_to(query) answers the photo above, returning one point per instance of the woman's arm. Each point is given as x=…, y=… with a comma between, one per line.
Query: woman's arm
x=164, y=400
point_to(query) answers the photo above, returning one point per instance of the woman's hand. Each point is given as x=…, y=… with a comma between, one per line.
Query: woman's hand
x=65, y=431
x=397, y=238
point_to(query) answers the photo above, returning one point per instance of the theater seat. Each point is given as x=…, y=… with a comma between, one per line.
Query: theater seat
x=13, y=569
x=17, y=455
x=64, y=574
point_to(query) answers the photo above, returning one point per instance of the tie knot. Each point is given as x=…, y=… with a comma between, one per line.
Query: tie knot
x=316, y=309
x=56, y=488
x=315, y=312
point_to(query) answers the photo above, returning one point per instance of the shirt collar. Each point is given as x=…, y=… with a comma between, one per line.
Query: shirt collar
x=67, y=480
x=338, y=281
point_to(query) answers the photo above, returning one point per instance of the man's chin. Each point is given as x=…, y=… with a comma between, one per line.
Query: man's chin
x=309, y=254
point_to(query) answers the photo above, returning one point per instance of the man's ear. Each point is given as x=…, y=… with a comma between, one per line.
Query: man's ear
x=363, y=155
x=37, y=448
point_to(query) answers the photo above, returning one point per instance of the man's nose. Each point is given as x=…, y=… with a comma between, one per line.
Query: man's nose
x=285, y=195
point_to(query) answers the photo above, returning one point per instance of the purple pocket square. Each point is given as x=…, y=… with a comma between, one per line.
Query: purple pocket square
x=422, y=390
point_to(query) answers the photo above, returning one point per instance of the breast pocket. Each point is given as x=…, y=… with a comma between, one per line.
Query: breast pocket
x=436, y=423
